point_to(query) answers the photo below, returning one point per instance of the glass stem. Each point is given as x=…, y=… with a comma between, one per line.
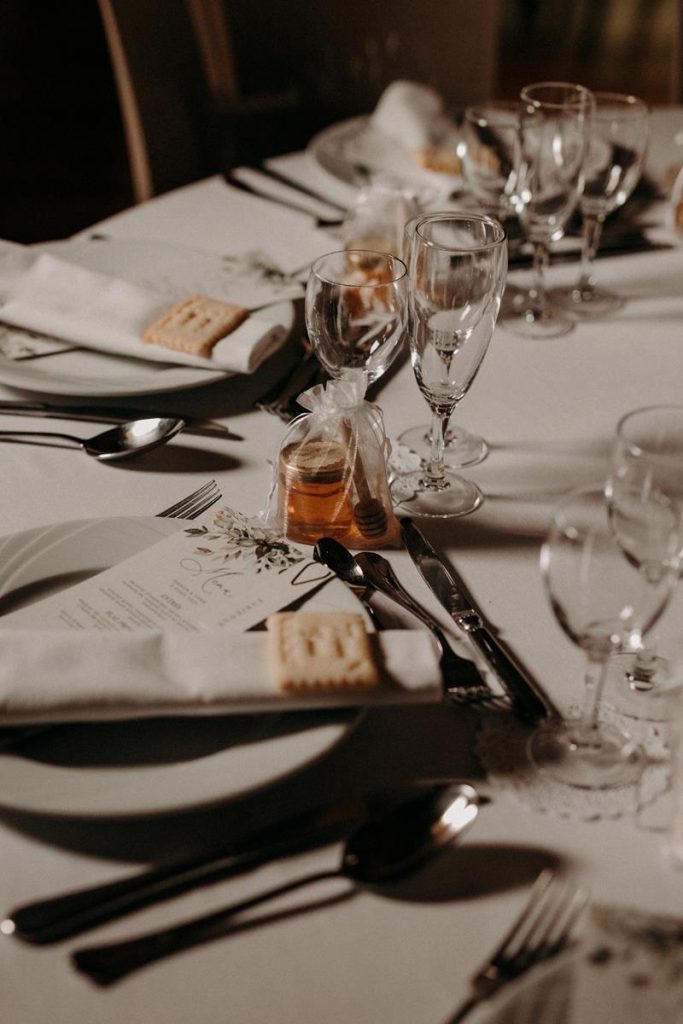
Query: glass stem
x=596, y=676
x=435, y=470
x=592, y=232
x=538, y=289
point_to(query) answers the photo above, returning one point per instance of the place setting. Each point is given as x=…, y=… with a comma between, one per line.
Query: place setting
x=340, y=602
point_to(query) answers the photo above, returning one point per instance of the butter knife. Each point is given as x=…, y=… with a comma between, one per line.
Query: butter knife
x=456, y=599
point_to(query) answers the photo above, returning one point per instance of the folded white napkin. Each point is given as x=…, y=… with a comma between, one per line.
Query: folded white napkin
x=414, y=115
x=70, y=676
x=40, y=292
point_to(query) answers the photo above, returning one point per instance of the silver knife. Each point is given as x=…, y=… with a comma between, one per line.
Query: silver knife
x=526, y=699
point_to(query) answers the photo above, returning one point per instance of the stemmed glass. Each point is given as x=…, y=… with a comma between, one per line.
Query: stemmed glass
x=553, y=134
x=613, y=165
x=646, y=463
x=460, y=447
x=356, y=310
x=489, y=155
x=457, y=276
x=604, y=584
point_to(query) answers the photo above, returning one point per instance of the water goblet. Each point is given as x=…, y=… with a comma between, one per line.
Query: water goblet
x=553, y=135
x=460, y=447
x=603, y=585
x=613, y=165
x=356, y=310
x=457, y=277
x=646, y=462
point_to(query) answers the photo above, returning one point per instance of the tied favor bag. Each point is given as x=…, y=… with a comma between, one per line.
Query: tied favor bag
x=331, y=475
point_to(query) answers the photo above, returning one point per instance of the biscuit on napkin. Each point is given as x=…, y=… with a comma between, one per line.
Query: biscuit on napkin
x=320, y=651
x=195, y=325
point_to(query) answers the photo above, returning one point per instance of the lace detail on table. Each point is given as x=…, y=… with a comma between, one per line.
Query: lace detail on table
x=500, y=746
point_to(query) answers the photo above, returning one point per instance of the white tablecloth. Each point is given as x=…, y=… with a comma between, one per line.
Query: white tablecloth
x=548, y=409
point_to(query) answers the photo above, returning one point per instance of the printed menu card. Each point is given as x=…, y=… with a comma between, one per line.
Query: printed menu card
x=222, y=572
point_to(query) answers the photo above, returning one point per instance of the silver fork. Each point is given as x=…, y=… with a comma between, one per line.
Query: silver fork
x=543, y=929
x=462, y=683
x=194, y=504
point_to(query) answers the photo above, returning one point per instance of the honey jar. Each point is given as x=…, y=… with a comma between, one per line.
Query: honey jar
x=314, y=487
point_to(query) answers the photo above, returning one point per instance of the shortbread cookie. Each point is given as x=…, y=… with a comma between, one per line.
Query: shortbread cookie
x=320, y=651
x=195, y=325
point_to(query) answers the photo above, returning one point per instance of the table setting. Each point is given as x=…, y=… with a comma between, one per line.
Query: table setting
x=314, y=706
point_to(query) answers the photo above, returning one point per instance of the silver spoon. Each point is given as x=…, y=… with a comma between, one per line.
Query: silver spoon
x=386, y=847
x=120, y=442
x=339, y=559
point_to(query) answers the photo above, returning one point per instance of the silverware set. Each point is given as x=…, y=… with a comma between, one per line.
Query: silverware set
x=389, y=838
x=369, y=572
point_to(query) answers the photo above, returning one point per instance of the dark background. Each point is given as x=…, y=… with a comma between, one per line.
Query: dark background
x=63, y=158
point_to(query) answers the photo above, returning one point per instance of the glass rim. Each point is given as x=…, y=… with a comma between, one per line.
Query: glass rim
x=583, y=96
x=622, y=436
x=389, y=258
x=480, y=218
x=624, y=100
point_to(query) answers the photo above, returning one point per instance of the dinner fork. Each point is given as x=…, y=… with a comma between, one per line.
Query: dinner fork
x=544, y=928
x=193, y=504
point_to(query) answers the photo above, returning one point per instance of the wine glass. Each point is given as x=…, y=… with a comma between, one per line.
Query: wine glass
x=457, y=276
x=613, y=165
x=460, y=447
x=356, y=310
x=604, y=585
x=647, y=461
x=489, y=155
x=553, y=134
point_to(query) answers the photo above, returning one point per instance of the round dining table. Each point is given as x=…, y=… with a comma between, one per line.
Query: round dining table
x=338, y=952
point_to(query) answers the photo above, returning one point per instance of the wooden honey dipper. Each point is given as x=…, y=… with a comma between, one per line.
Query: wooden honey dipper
x=369, y=513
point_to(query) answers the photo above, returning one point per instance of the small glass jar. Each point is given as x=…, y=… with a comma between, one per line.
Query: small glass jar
x=314, y=491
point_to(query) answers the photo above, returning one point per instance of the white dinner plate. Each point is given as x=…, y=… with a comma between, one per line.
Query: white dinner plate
x=344, y=150
x=151, y=264
x=148, y=766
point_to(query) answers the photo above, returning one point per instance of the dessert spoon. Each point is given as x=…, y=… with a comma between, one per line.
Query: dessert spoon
x=121, y=442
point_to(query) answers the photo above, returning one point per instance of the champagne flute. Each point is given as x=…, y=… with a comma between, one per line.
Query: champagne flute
x=613, y=165
x=457, y=276
x=604, y=585
x=356, y=310
x=460, y=447
x=646, y=462
x=553, y=135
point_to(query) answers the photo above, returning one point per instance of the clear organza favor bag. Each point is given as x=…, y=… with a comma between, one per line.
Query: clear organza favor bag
x=331, y=470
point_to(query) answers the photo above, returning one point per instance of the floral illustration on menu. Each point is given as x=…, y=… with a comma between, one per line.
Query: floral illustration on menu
x=234, y=541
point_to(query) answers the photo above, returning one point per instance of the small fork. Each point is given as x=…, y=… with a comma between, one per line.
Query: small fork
x=543, y=929
x=462, y=683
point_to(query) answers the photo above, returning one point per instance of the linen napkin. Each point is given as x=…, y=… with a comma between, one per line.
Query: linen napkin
x=413, y=114
x=42, y=293
x=54, y=675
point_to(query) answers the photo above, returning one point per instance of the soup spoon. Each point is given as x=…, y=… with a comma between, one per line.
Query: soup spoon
x=391, y=844
x=120, y=442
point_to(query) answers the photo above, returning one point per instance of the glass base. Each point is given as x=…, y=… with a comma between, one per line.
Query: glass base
x=586, y=303
x=634, y=697
x=414, y=495
x=530, y=320
x=460, y=447
x=600, y=758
